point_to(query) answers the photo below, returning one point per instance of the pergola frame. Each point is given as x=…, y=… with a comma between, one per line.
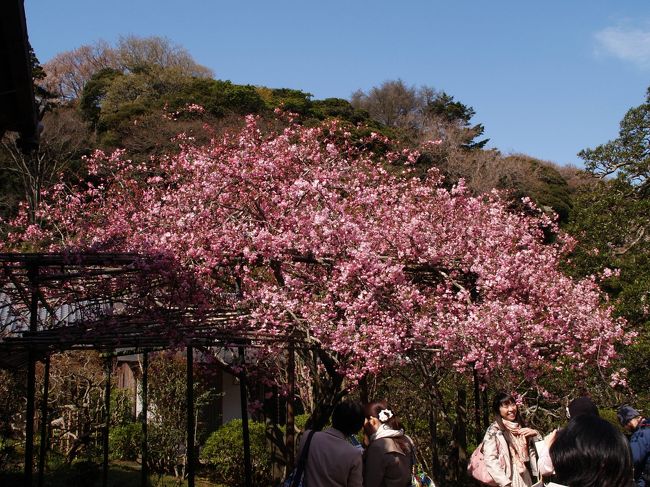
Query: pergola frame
x=40, y=283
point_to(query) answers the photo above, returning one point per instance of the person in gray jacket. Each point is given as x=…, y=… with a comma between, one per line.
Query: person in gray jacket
x=332, y=460
x=508, y=449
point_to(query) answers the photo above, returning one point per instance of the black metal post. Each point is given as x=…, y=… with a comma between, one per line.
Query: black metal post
x=144, y=473
x=478, y=430
x=44, y=421
x=244, y=420
x=290, y=439
x=461, y=431
x=31, y=380
x=190, y=416
x=107, y=418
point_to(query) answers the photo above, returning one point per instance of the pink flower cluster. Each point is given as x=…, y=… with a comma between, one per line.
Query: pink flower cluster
x=321, y=242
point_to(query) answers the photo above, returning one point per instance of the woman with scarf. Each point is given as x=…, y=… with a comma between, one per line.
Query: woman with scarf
x=508, y=445
x=388, y=459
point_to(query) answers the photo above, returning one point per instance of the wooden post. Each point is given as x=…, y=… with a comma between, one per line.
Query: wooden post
x=144, y=474
x=44, y=421
x=190, y=416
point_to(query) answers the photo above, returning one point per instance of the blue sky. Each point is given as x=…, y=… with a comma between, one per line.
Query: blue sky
x=545, y=78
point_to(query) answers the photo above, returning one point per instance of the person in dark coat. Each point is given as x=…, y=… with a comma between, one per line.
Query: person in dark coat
x=635, y=423
x=388, y=460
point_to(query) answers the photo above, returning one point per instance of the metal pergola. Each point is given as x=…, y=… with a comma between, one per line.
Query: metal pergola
x=56, y=302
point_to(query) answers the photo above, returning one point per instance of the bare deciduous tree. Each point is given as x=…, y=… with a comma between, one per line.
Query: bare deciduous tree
x=392, y=103
x=64, y=139
x=68, y=72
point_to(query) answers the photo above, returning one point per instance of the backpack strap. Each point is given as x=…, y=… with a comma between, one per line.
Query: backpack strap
x=302, y=461
x=414, y=460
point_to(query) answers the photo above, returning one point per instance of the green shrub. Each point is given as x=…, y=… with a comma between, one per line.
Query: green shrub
x=121, y=407
x=7, y=449
x=125, y=441
x=223, y=453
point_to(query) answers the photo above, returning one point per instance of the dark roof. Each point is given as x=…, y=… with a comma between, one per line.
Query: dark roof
x=18, y=109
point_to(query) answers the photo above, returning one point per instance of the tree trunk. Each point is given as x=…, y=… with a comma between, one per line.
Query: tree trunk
x=461, y=433
x=486, y=409
x=328, y=390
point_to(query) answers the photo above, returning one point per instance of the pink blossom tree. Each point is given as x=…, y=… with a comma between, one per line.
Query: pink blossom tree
x=308, y=234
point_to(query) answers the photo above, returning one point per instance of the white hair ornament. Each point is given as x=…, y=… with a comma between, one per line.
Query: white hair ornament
x=385, y=415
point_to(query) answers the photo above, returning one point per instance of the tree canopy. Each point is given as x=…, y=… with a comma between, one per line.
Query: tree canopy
x=420, y=114
x=307, y=233
x=627, y=156
x=68, y=72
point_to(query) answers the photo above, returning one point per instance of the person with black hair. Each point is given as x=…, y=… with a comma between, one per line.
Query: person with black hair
x=591, y=452
x=580, y=405
x=332, y=460
x=508, y=449
x=389, y=458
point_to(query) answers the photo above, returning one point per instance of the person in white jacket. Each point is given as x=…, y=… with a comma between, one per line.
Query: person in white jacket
x=508, y=449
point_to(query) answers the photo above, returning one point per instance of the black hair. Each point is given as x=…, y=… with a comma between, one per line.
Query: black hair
x=591, y=452
x=348, y=417
x=500, y=399
x=582, y=405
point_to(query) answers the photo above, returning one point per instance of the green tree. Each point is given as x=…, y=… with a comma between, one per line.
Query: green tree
x=90, y=102
x=443, y=106
x=612, y=223
x=611, y=228
x=628, y=156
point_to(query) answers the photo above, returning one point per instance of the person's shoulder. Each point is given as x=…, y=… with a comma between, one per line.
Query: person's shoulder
x=494, y=428
x=643, y=431
x=385, y=445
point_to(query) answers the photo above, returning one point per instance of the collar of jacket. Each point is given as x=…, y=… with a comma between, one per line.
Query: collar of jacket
x=335, y=432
